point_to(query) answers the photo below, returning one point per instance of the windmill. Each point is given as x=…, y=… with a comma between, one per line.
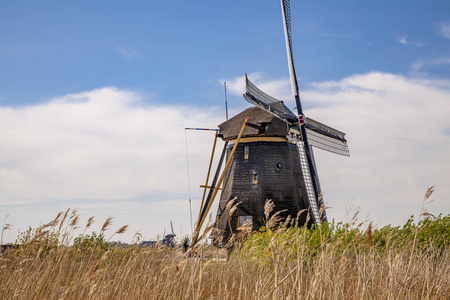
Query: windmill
x=269, y=156
x=169, y=239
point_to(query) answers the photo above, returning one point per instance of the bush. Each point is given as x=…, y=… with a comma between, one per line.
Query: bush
x=91, y=242
x=295, y=241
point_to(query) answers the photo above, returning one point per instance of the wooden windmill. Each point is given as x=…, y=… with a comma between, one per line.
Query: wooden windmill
x=269, y=156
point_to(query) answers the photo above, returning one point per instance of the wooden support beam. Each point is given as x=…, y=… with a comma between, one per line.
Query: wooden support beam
x=203, y=217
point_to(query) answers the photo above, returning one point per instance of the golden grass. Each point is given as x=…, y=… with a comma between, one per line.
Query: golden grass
x=64, y=273
x=45, y=267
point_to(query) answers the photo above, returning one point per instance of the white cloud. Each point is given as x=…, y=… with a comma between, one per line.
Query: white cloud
x=421, y=65
x=98, y=144
x=130, y=53
x=417, y=65
x=443, y=28
x=396, y=129
x=104, y=144
x=404, y=41
x=108, y=152
x=443, y=61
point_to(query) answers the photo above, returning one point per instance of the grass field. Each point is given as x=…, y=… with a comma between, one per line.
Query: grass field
x=338, y=261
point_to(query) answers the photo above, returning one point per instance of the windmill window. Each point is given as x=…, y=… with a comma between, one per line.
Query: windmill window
x=245, y=221
x=255, y=178
x=246, y=152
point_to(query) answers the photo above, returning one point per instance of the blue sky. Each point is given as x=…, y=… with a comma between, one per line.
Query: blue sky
x=94, y=98
x=55, y=47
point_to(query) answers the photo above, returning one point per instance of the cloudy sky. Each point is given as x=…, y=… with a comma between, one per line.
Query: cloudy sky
x=94, y=99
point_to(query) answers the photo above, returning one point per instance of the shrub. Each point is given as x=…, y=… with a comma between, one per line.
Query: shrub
x=88, y=242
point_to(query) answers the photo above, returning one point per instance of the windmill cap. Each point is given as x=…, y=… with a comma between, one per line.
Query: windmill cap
x=272, y=126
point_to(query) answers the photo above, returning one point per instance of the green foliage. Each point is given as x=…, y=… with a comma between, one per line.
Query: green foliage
x=434, y=231
x=91, y=242
x=430, y=231
x=296, y=242
x=38, y=239
x=185, y=243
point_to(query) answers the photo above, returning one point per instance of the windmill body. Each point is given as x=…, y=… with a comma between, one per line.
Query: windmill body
x=270, y=163
x=266, y=165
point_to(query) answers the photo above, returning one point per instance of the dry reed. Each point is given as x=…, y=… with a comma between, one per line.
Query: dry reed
x=360, y=270
x=161, y=274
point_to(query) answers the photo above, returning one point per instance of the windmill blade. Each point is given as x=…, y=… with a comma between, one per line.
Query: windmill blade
x=310, y=180
x=252, y=89
x=326, y=138
x=267, y=103
x=173, y=233
x=286, y=13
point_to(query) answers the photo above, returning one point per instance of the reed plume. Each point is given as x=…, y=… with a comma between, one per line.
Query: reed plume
x=107, y=223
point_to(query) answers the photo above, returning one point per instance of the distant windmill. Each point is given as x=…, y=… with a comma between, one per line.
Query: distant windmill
x=169, y=239
x=269, y=156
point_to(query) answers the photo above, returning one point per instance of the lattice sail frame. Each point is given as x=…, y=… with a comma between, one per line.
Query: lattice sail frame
x=314, y=205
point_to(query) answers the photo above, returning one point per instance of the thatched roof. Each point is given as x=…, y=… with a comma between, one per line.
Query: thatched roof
x=272, y=126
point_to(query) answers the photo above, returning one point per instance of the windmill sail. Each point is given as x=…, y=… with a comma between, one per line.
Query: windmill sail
x=286, y=12
x=326, y=138
x=273, y=106
x=310, y=181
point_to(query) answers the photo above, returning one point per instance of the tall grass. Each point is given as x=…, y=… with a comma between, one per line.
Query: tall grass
x=339, y=261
